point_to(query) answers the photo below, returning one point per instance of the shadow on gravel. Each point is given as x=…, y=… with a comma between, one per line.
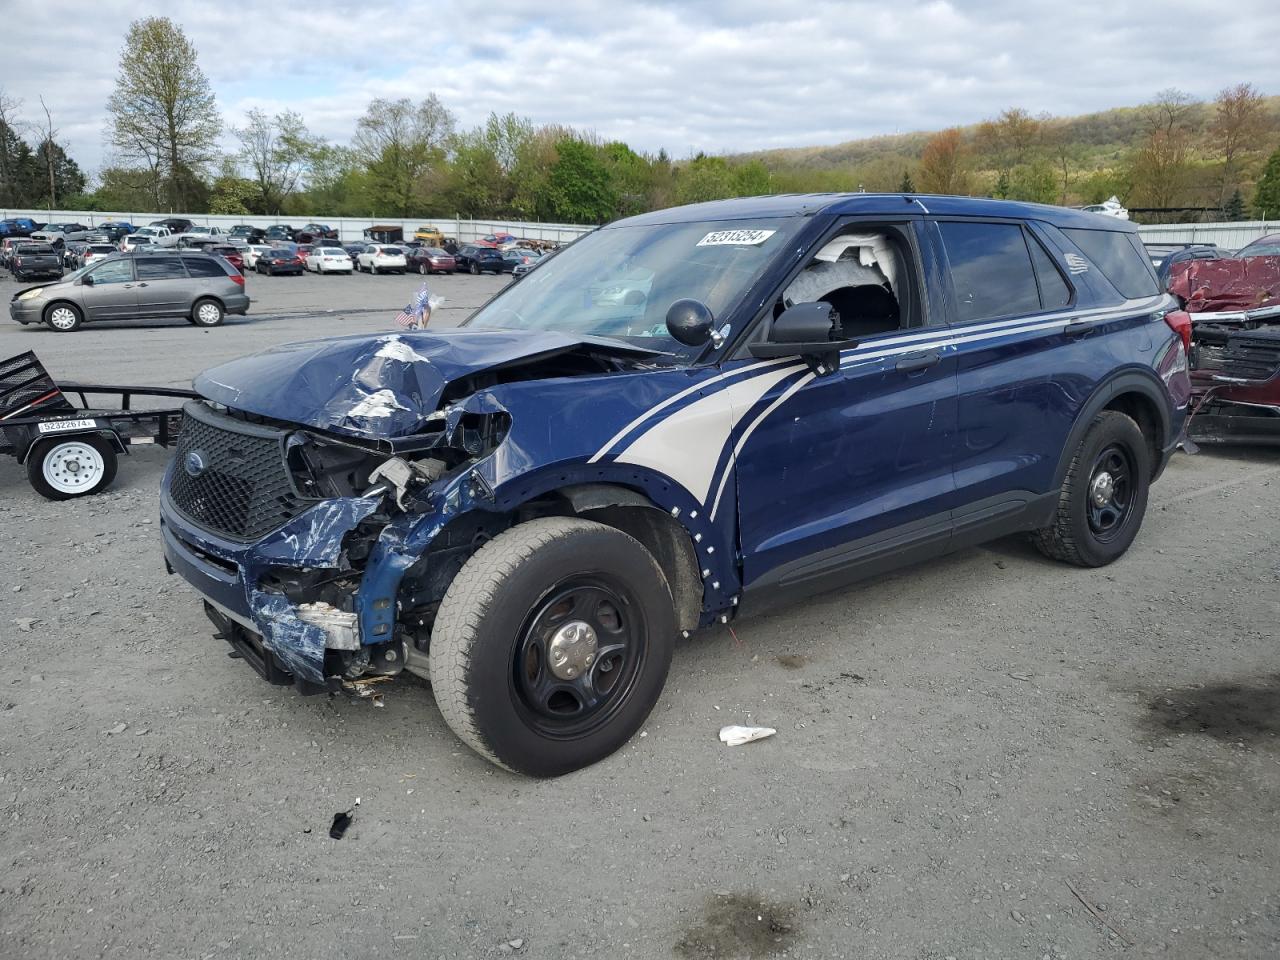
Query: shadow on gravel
x=738, y=925
x=1248, y=711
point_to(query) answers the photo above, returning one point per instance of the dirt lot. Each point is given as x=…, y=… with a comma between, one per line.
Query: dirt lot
x=959, y=747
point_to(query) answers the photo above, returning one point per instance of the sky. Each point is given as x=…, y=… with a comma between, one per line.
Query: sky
x=721, y=76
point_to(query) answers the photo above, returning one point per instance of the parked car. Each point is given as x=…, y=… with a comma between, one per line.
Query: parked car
x=804, y=392
x=304, y=250
x=501, y=241
x=144, y=236
x=279, y=232
x=116, y=230
x=1165, y=255
x=328, y=259
x=18, y=227
x=215, y=233
x=251, y=255
x=95, y=251
x=36, y=259
x=228, y=253
x=59, y=233
x=353, y=250
x=429, y=260
x=71, y=252
x=7, y=247
x=247, y=232
x=381, y=258
x=175, y=225
x=197, y=286
x=474, y=259
x=1268, y=246
x=278, y=260
x=517, y=256
x=313, y=232
x=429, y=235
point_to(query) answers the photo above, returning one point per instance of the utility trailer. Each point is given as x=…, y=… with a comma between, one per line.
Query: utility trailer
x=71, y=450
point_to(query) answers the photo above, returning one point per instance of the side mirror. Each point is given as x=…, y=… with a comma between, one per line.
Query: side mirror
x=87, y=280
x=807, y=330
x=691, y=322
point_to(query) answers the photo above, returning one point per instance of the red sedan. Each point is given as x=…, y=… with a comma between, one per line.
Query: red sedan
x=431, y=260
x=230, y=254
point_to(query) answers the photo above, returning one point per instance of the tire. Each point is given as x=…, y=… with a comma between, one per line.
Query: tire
x=63, y=317
x=423, y=270
x=64, y=468
x=207, y=313
x=486, y=658
x=373, y=269
x=475, y=271
x=1104, y=495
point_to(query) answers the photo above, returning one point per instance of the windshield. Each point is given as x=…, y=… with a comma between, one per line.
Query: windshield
x=1260, y=250
x=619, y=282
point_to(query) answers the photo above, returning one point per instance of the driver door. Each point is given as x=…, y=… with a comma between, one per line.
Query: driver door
x=840, y=474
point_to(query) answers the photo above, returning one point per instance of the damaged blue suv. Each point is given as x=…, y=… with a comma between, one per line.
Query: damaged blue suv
x=679, y=418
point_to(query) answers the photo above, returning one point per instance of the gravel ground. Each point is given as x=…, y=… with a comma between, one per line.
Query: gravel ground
x=959, y=747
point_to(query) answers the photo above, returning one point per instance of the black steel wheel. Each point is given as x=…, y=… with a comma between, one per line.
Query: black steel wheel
x=552, y=645
x=1104, y=494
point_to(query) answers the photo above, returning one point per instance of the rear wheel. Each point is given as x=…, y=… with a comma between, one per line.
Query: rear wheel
x=1104, y=495
x=423, y=269
x=207, y=313
x=64, y=317
x=62, y=469
x=475, y=271
x=552, y=645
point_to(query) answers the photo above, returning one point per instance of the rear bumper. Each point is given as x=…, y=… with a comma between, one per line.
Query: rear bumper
x=236, y=303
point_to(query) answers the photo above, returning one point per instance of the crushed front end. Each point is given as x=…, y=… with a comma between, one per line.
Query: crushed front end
x=1235, y=375
x=301, y=541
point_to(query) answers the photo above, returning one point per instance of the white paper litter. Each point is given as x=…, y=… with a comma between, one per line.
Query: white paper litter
x=735, y=736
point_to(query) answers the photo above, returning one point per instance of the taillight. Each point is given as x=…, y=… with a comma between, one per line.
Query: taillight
x=238, y=278
x=1179, y=322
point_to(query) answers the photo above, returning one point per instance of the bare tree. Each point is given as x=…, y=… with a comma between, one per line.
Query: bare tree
x=48, y=154
x=1238, y=127
x=278, y=151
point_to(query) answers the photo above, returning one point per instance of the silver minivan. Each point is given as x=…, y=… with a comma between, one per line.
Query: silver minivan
x=201, y=287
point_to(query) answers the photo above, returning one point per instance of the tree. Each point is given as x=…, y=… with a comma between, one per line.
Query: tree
x=1266, y=199
x=751, y=179
x=578, y=189
x=277, y=150
x=16, y=160
x=906, y=186
x=399, y=142
x=62, y=176
x=704, y=178
x=1233, y=209
x=944, y=164
x=232, y=194
x=1161, y=165
x=163, y=113
x=1238, y=126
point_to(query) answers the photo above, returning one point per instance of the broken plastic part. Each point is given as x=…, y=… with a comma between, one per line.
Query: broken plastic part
x=342, y=628
x=736, y=736
x=342, y=820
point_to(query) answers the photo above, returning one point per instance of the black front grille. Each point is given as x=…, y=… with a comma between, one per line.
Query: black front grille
x=232, y=477
x=1242, y=354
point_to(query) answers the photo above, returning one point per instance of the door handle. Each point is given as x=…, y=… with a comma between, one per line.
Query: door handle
x=128, y=286
x=922, y=360
x=1078, y=328
x=142, y=284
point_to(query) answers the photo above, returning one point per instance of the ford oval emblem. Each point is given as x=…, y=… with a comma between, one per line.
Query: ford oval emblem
x=194, y=463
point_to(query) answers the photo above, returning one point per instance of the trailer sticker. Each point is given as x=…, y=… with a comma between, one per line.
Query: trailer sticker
x=62, y=426
x=751, y=238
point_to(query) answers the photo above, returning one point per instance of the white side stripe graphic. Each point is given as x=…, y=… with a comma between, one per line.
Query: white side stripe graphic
x=733, y=459
x=687, y=445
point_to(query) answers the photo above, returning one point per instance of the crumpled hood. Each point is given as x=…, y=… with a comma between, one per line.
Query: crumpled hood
x=381, y=385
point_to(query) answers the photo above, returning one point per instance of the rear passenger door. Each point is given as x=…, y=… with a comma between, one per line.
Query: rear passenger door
x=164, y=290
x=1030, y=335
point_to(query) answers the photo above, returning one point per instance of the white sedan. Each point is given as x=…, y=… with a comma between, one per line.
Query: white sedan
x=381, y=257
x=253, y=253
x=329, y=260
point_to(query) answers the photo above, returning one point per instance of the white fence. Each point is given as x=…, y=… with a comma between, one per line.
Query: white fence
x=350, y=230
x=1231, y=236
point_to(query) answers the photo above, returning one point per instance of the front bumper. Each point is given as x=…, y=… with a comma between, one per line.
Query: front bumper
x=26, y=311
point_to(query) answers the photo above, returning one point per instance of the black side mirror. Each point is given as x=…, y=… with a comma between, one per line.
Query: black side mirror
x=807, y=330
x=87, y=280
x=690, y=322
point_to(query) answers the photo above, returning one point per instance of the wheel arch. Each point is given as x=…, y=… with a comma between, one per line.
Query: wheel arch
x=61, y=301
x=202, y=298
x=1137, y=395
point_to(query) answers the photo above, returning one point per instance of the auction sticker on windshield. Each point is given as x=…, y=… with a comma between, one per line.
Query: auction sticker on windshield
x=61, y=426
x=737, y=238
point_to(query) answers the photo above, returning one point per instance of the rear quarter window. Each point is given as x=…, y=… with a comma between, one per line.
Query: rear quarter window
x=202, y=267
x=1120, y=258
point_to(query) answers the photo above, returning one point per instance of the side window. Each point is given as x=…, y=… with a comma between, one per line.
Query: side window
x=113, y=271
x=1120, y=258
x=204, y=267
x=990, y=270
x=1054, y=292
x=161, y=268
x=865, y=275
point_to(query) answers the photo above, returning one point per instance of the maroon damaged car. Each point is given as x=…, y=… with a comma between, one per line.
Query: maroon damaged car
x=1234, y=303
x=429, y=260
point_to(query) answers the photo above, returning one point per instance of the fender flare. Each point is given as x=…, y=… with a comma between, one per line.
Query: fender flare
x=1129, y=381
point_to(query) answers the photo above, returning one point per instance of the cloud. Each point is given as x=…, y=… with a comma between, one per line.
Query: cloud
x=719, y=75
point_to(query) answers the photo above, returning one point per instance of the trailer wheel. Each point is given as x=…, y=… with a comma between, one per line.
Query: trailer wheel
x=63, y=468
x=552, y=645
x=64, y=317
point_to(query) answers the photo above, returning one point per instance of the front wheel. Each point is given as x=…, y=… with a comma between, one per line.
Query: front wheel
x=552, y=645
x=62, y=469
x=64, y=317
x=1104, y=495
x=423, y=269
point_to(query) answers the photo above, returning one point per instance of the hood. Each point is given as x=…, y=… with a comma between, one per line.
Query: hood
x=384, y=386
